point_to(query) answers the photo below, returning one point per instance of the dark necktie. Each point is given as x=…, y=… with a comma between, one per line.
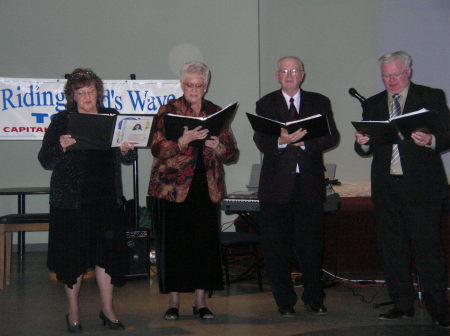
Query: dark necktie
x=395, y=111
x=293, y=115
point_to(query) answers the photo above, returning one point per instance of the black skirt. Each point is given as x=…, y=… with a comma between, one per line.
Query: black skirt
x=81, y=239
x=188, y=245
x=94, y=235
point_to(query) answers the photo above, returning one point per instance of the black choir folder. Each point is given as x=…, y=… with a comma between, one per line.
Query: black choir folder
x=422, y=120
x=215, y=123
x=103, y=131
x=316, y=125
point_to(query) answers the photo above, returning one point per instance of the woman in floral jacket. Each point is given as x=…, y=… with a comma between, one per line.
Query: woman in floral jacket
x=188, y=180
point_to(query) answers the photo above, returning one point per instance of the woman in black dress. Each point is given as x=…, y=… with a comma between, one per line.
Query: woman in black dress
x=188, y=180
x=86, y=219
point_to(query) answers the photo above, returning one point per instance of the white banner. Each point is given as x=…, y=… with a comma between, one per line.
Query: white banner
x=28, y=104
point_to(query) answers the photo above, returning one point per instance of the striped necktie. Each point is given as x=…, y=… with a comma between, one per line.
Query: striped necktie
x=395, y=159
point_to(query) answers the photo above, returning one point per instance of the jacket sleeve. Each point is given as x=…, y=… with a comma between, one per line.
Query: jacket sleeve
x=161, y=147
x=128, y=158
x=227, y=151
x=323, y=143
x=51, y=152
x=366, y=115
x=266, y=143
x=443, y=137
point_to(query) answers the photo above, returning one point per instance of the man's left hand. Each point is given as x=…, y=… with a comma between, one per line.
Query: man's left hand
x=421, y=139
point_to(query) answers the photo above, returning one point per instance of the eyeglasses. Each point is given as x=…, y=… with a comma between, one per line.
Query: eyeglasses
x=86, y=93
x=293, y=72
x=394, y=75
x=193, y=85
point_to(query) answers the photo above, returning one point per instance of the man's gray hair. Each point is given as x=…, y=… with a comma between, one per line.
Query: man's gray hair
x=299, y=61
x=397, y=55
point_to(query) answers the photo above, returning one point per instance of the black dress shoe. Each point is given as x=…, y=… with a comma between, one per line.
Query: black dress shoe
x=316, y=308
x=442, y=320
x=73, y=328
x=286, y=310
x=395, y=314
x=203, y=313
x=112, y=324
x=171, y=314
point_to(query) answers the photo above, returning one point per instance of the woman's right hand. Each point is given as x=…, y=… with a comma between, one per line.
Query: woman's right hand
x=191, y=135
x=66, y=140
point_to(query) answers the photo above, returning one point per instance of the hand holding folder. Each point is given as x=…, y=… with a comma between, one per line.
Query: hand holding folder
x=103, y=131
x=316, y=125
x=403, y=125
x=214, y=123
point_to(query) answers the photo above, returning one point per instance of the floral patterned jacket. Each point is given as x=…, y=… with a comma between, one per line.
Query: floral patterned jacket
x=173, y=168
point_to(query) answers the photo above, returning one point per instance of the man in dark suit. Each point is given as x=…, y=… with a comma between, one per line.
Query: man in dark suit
x=292, y=189
x=408, y=186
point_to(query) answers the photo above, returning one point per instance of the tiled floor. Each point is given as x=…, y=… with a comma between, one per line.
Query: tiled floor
x=35, y=305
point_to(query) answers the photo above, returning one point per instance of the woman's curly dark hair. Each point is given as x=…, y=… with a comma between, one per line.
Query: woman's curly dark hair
x=80, y=78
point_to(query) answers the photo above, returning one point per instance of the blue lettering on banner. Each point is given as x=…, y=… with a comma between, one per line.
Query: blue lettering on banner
x=40, y=117
x=60, y=101
x=147, y=102
x=6, y=99
x=31, y=98
x=138, y=99
x=111, y=100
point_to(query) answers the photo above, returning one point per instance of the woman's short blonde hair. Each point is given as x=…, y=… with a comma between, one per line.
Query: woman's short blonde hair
x=195, y=68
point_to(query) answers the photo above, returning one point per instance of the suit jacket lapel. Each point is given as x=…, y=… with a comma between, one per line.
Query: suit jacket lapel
x=412, y=100
x=411, y=104
x=382, y=107
x=306, y=105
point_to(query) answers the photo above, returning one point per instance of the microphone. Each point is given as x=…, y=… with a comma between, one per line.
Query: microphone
x=355, y=94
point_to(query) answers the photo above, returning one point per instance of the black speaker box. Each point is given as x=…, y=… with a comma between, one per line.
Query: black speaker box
x=138, y=251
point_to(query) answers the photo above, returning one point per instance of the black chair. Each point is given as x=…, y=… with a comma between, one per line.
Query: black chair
x=241, y=244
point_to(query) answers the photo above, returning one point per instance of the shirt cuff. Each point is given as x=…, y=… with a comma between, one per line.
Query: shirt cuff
x=432, y=145
x=365, y=148
x=281, y=146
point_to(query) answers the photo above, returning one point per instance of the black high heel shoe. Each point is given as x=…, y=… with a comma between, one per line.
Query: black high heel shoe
x=112, y=324
x=172, y=314
x=203, y=313
x=73, y=328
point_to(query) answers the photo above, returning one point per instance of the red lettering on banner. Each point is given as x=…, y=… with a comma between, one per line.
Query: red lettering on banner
x=24, y=129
